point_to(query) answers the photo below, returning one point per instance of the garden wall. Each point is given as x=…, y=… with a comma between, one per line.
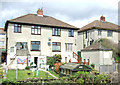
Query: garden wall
x=108, y=68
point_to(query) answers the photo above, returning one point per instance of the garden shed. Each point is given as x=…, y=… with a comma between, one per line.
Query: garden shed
x=97, y=55
x=72, y=68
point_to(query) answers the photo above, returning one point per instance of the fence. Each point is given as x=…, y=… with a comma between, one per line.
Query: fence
x=108, y=68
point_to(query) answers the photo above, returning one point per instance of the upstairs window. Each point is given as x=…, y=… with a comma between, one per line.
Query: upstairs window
x=56, y=31
x=69, y=46
x=36, y=30
x=86, y=35
x=99, y=31
x=71, y=33
x=35, y=45
x=109, y=33
x=17, y=28
x=56, y=47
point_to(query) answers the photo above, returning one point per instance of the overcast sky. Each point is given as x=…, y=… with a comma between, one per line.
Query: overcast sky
x=75, y=12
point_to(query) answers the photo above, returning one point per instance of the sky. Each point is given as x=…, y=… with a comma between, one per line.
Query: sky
x=75, y=12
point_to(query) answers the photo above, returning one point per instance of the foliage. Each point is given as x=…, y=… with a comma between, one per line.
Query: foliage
x=93, y=65
x=50, y=61
x=27, y=67
x=57, y=58
x=85, y=77
x=57, y=67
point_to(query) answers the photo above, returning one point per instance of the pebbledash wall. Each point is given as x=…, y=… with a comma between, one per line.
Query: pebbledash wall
x=98, y=57
x=93, y=35
x=45, y=49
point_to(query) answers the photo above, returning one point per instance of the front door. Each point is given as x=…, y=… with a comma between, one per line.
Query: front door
x=35, y=60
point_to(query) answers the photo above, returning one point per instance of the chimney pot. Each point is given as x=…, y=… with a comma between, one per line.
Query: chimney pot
x=40, y=12
x=102, y=18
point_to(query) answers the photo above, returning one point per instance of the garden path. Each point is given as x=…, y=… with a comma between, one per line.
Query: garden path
x=48, y=73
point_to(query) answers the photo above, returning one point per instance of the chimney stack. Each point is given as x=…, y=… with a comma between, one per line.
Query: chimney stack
x=102, y=18
x=40, y=12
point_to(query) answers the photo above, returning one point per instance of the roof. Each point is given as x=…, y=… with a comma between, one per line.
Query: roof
x=2, y=31
x=100, y=25
x=70, y=66
x=40, y=20
x=74, y=66
x=95, y=46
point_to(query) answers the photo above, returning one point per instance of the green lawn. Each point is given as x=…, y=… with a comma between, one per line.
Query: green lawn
x=55, y=74
x=22, y=75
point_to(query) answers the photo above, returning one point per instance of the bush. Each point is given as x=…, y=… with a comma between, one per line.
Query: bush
x=27, y=67
x=50, y=61
x=93, y=66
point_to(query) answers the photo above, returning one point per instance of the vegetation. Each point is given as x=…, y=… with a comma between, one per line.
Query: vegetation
x=79, y=77
x=92, y=65
x=23, y=74
x=50, y=61
x=111, y=45
x=57, y=58
x=54, y=73
x=54, y=62
x=27, y=67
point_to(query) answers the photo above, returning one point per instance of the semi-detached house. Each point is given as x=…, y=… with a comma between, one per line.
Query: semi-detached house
x=33, y=36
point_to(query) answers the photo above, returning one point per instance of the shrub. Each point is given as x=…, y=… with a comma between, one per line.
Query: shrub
x=93, y=66
x=27, y=67
x=50, y=61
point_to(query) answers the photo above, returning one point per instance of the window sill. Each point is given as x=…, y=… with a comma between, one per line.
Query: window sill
x=35, y=50
x=70, y=36
x=17, y=32
x=56, y=35
x=35, y=34
x=56, y=51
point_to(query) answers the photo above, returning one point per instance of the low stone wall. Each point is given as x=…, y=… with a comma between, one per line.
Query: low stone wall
x=107, y=69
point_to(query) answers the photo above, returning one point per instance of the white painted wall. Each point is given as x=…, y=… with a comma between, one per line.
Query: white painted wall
x=46, y=32
x=93, y=34
x=98, y=57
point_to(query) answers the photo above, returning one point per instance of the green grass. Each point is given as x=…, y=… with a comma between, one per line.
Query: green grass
x=54, y=73
x=22, y=75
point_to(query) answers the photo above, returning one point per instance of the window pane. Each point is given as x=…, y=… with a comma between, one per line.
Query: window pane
x=69, y=33
x=56, y=31
x=35, y=31
x=38, y=26
x=32, y=30
x=38, y=31
x=19, y=29
x=56, y=46
x=69, y=46
x=59, y=31
x=35, y=45
x=15, y=29
x=53, y=32
x=37, y=42
x=72, y=32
